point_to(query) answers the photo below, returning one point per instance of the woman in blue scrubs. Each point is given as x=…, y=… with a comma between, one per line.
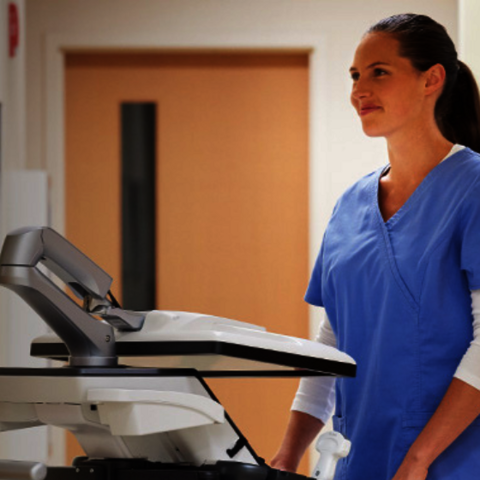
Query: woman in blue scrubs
x=400, y=263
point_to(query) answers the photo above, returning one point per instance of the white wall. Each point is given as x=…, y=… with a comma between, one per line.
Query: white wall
x=469, y=34
x=12, y=138
x=26, y=193
x=12, y=100
x=12, y=90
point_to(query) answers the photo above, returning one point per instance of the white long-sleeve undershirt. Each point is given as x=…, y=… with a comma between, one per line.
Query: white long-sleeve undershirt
x=316, y=395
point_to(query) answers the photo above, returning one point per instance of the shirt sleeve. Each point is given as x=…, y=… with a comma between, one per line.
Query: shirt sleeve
x=469, y=368
x=470, y=258
x=314, y=290
x=316, y=395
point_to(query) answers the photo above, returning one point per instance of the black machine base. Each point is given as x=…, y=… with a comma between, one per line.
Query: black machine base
x=131, y=469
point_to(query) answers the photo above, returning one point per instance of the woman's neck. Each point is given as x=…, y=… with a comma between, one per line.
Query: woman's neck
x=412, y=158
x=410, y=162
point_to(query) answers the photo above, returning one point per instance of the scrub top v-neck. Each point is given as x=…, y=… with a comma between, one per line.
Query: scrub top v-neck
x=397, y=294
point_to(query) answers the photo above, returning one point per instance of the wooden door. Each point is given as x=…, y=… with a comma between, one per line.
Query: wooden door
x=232, y=195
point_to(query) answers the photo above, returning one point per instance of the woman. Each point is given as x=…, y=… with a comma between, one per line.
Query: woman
x=399, y=270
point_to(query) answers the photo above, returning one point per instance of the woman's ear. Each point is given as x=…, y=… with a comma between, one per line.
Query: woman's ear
x=434, y=79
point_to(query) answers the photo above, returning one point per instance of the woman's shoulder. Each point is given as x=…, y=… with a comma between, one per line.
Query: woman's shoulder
x=469, y=202
x=464, y=172
x=461, y=181
x=469, y=161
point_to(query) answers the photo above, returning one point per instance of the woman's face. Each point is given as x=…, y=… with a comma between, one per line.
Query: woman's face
x=388, y=93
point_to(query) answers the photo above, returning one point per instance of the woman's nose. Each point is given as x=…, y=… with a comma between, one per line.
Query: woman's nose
x=360, y=91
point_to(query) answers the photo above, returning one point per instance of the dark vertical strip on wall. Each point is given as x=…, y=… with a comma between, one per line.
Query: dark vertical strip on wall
x=138, y=205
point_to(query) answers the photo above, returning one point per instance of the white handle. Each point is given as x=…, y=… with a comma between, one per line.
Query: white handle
x=332, y=446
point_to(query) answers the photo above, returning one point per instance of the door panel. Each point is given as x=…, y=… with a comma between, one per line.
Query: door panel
x=231, y=196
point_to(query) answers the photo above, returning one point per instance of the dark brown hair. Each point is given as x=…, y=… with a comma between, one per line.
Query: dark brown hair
x=426, y=43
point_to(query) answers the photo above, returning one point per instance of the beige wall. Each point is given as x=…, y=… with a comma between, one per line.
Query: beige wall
x=12, y=90
x=12, y=142
x=469, y=34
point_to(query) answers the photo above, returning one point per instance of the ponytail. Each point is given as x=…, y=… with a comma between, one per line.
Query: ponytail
x=458, y=112
x=426, y=43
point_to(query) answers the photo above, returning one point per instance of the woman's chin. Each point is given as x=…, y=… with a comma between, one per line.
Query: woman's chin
x=373, y=132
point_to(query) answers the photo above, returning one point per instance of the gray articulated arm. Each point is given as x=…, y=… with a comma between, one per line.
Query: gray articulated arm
x=31, y=245
x=89, y=341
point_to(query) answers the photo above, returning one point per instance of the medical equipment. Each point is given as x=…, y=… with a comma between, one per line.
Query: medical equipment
x=133, y=391
x=332, y=446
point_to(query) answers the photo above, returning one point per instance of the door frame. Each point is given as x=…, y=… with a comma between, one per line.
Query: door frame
x=316, y=45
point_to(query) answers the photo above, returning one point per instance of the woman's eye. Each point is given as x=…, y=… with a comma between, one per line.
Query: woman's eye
x=377, y=72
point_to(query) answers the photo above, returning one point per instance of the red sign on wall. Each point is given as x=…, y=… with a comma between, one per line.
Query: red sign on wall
x=13, y=29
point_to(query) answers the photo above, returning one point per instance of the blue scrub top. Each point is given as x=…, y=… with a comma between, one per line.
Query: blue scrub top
x=397, y=294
